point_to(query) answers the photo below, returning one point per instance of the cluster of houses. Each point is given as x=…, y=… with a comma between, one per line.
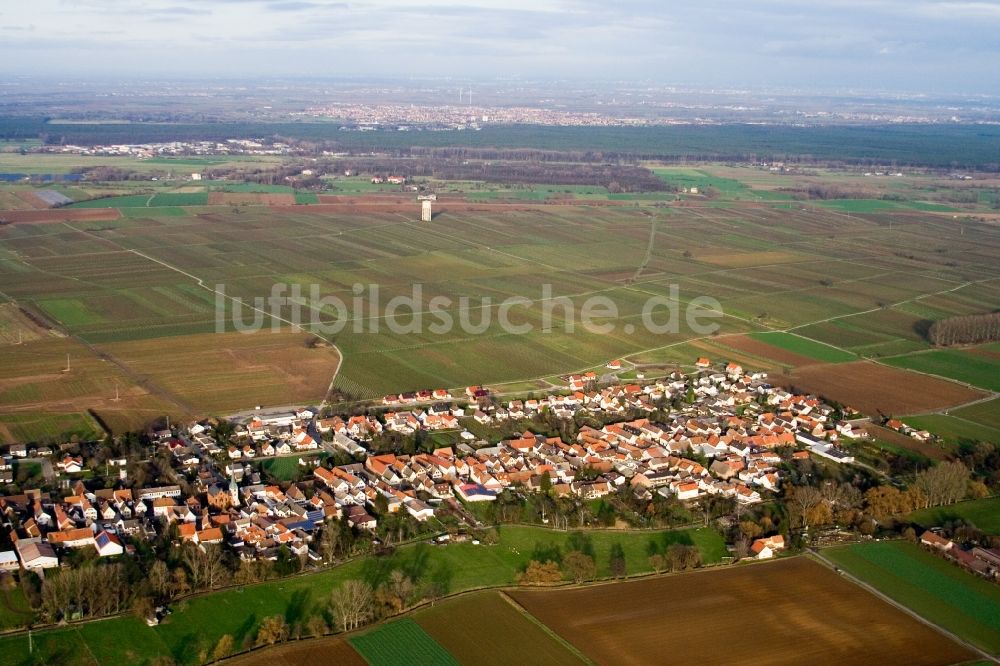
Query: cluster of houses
x=102, y=519
x=723, y=439
x=909, y=431
x=979, y=560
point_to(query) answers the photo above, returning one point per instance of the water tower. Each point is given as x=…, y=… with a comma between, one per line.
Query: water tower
x=425, y=206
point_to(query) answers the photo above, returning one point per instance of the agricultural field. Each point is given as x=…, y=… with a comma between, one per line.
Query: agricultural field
x=401, y=642
x=954, y=429
x=314, y=652
x=217, y=373
x=130, y=384
x=753, y=353
x=41, y=401
x=983, y=513
x=864, y=386
x=965, y=365
x=986, y=413
x=833, y=620
x=492, y=632
x=934, y=588
x=152, y=273
x=796, y=344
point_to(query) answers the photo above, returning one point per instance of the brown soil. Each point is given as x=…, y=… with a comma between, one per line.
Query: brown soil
x=873, y=388
x=792, y=611
x=313, y=652
x=745, y=343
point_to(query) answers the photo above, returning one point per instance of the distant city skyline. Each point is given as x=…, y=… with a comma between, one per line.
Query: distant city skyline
x=929, y=46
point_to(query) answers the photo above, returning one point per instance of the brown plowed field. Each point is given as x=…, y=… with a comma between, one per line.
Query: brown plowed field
x=60, y=215
x=492, y=632
x=874, y=388
x=315, y=652
x=745, y=343
x=32, y=200
x=792, y=611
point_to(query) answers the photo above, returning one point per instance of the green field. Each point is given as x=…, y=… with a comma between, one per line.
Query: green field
x=199, y=622
x=879, y=205
x=983, y=513
x=986, y=413
x=158, y=199
x=932, y=587
x=70, y=312
x=954, y=429
x=976, y=369
x=127, y=201
x=683, y=177
x=401, y=642
x=45, y=426
x=805, y=347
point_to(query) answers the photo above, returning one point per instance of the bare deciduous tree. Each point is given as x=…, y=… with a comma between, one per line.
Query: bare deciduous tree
x=352, y=604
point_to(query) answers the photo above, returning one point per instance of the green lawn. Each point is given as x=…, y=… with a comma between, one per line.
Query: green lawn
x=954, y=429
x=401, y=642
x=936, y=589
x=805, y=347
x=983, y=513
x=286, y=468
x=14, y=609
x=975, y=369
x=64, y=647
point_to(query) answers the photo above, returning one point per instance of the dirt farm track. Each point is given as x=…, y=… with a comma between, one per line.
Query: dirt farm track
x=794, y=611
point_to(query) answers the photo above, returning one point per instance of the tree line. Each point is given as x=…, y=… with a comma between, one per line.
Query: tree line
x=965, y=329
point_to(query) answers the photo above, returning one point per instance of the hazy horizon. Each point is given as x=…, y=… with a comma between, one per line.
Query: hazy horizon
x=936, y=47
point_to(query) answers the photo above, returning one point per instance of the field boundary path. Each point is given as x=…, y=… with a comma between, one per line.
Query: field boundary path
x=889, y=600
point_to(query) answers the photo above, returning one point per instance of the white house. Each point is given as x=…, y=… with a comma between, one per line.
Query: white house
x=36, y=554
x=765, y=548
x=107, y=544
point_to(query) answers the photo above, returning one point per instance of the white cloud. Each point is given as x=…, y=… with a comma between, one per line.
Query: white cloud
x=780, y=42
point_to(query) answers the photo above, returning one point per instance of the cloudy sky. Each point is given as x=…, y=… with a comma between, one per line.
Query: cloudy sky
x=933, y=46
